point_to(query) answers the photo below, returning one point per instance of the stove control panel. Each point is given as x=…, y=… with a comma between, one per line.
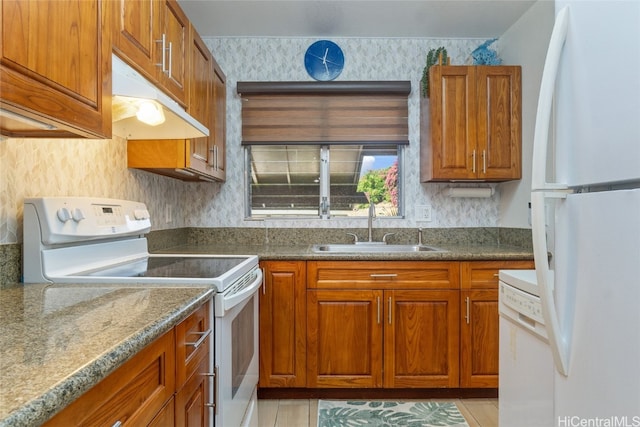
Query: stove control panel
x=74, y=219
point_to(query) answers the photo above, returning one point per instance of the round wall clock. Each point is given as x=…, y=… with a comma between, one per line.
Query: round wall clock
x=324, y=60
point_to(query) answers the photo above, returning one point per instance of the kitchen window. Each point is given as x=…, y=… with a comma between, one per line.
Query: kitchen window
x=323, y=149
x=322, y=181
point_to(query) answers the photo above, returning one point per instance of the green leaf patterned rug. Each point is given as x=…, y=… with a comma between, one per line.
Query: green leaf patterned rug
x=350, y=413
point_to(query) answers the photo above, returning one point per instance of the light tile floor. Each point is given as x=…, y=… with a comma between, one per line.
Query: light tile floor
x=304, y=412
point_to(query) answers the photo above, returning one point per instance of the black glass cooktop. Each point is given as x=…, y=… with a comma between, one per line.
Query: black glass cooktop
x=173, y=267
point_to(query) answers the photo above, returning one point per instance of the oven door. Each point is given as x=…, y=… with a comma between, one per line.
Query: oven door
x=236, y=356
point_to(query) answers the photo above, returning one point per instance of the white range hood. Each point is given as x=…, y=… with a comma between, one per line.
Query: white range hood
x=130, y=91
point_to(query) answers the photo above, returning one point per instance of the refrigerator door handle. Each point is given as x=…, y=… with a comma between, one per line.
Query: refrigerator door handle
x=558, y=339
x=542, y=189
x=545, y=103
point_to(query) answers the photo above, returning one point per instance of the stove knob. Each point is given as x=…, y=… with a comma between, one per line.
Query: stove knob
x=140, y=214
x=78, y=215
x=64, y=214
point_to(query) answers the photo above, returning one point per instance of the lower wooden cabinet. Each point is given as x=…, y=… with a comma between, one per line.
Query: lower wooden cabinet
x=373, y=324
x=421, y=333
x=479, y=333
x=165, y=384
x=283, y=334
x=133, y=394
x=344, y=338
x=192, y=401
x=382, y=324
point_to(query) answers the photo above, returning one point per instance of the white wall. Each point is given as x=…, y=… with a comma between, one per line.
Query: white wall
x=525, y=43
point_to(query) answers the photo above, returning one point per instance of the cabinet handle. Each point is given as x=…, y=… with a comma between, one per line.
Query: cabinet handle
x=379, y=276
x=264, y=282
x=378, y=310
x=203, y=336
x=117, y=424
x=212, y=376
x=473, y=161
x=389, y=315
x=484, y=161
x=466, y=316
x=170, y=59
x=163, y=48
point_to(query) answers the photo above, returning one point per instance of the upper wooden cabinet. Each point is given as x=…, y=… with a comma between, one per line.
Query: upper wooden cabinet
x=472, y=130
x=55, y=61
x=193, y=159
x=152, y=36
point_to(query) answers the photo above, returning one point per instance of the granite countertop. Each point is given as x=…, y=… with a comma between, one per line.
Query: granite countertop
x=452, y=252
x=57, y=341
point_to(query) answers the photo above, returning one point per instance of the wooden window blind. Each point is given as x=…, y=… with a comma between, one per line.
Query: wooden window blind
x=327, y=112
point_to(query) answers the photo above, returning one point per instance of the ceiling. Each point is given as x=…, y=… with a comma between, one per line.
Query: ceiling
x=354, y=18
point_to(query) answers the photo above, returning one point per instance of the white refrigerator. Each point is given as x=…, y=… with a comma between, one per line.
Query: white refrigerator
x=584, y=368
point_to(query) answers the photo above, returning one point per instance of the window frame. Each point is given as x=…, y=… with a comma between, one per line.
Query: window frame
x=324, y=184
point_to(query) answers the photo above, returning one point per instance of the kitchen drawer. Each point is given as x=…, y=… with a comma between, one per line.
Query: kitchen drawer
x=193, y=337
x=484, y=274
x=133, y=394
x=382, y=275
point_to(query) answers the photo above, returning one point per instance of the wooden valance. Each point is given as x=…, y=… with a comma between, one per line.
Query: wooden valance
x=324, y=112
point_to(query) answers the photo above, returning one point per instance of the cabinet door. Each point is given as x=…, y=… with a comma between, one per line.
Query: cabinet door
x=151, y=35
x=421, y=338
x=282, y=325
x=176, y=31
x=200, y=100
x=452, y=133
x=55, y=63
x=219, y=130
x=134, y=393
x=499, y=131
x=479, y=333
x=479, y=336
x=137, y=33
x=192, y=401
x=344, y=333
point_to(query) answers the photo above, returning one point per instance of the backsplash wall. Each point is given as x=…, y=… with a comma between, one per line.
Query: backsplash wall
x=54, y=167
x=77, y=167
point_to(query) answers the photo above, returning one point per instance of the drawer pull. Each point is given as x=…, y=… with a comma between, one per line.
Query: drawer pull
x=203, y=336
x=117, y=424
x=382, y=276
x=466, y=316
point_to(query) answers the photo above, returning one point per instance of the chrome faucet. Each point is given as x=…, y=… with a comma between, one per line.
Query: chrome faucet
x=372, y=214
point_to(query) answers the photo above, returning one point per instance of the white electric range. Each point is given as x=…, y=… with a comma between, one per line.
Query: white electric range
x=96, y=240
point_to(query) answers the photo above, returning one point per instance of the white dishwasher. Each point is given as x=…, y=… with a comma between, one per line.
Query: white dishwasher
x=526, y=364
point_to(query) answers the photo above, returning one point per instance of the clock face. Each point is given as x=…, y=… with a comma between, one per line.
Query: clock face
x=324, y=60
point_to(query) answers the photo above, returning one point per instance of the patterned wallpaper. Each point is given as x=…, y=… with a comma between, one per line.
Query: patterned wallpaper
x=51, y=167
x=274, y=59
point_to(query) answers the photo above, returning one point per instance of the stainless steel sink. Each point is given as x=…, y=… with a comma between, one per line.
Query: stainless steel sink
x=373, y=247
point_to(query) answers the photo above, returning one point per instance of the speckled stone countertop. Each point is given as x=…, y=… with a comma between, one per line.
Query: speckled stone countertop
x=451, y=252
x=57, y=341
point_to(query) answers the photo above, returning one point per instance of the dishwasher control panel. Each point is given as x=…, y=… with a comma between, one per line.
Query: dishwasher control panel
x=522, y=302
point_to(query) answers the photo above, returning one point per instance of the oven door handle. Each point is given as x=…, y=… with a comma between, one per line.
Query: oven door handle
x=228, y=301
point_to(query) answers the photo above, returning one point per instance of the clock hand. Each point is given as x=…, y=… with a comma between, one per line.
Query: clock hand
x=324, y=58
